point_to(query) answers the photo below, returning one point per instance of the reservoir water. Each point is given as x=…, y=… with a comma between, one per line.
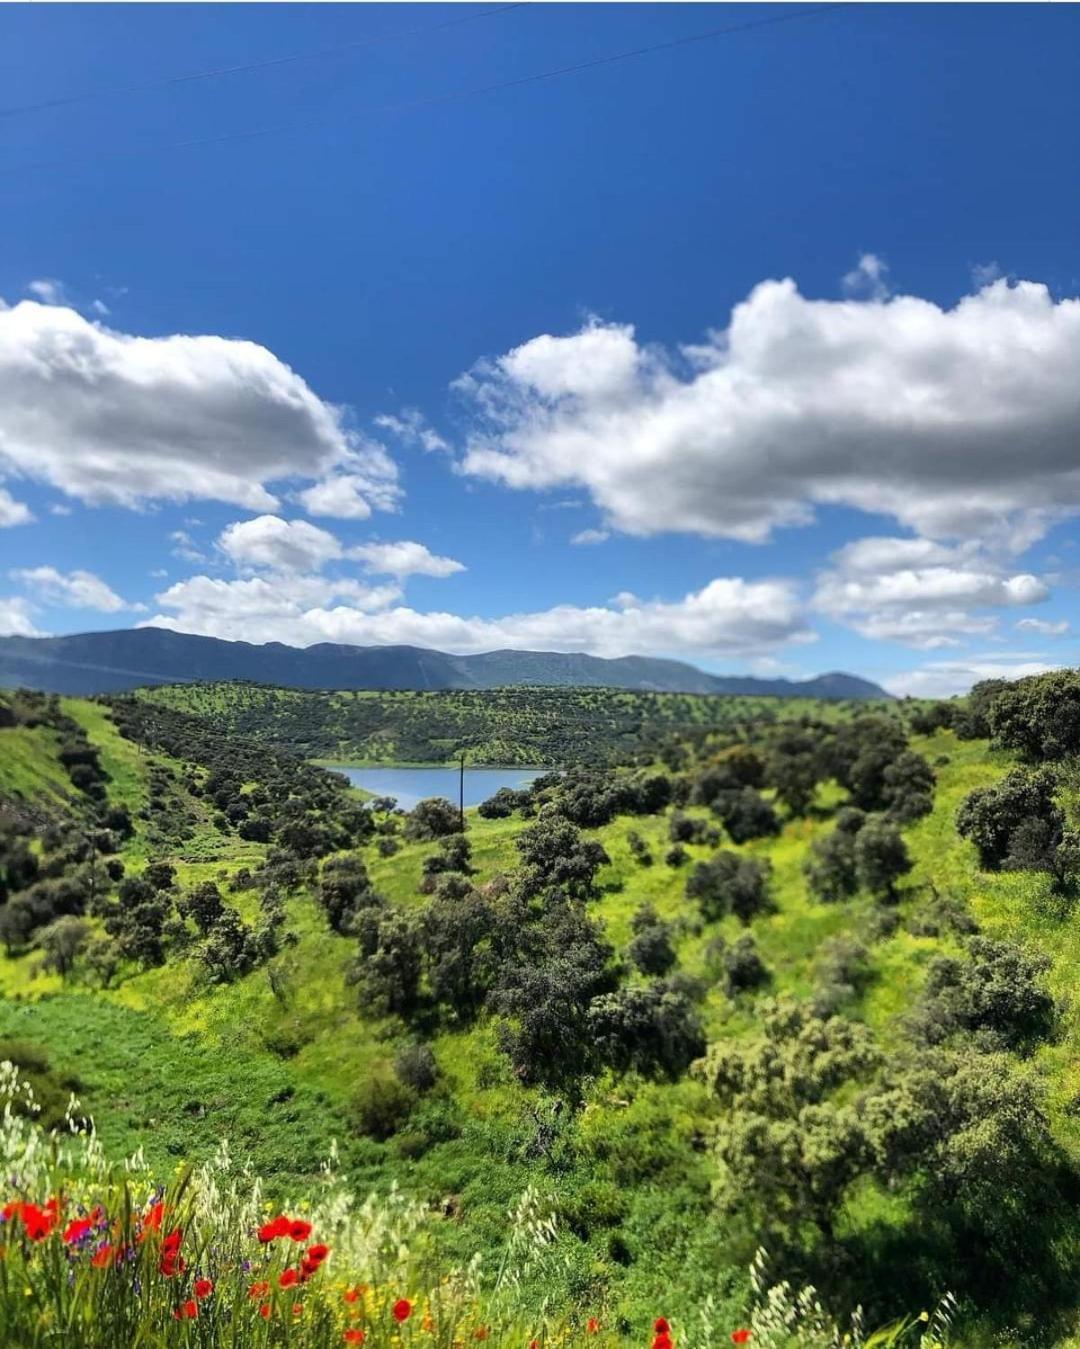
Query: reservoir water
x=409, y=785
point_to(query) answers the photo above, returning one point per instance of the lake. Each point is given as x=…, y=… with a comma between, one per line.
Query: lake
x=409, y=785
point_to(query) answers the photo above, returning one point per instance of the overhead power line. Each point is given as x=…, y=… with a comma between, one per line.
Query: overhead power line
x=434, y=100
x=220, y=72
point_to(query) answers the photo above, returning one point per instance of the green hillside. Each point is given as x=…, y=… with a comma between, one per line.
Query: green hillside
x=258, y=1022
x=546, y=726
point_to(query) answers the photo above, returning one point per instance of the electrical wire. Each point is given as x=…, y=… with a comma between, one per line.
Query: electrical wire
x=435, y=100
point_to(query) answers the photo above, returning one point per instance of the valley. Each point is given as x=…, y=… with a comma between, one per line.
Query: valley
x=299, y=986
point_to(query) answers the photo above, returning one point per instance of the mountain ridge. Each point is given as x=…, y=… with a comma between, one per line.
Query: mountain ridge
x=112, y=661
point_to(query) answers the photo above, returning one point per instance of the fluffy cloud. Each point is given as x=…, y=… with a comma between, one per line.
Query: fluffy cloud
x=367, y=481
x=12, y=512
x=261, y=609
x=919, y=592
x=404, y=558
x=728, y=618
x=15, y=620
x=944, y=679
x=75, y=589
x=1044, y=627
x=341, y=497
x=281, y=545
x=111, y=418
x=588, y=536
x=958, y=422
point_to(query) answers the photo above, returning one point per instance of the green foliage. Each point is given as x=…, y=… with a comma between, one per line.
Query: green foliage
x=514, y=725
x=881, y=857
x=730, y=883
x=1015, y=823
x=1038, y=716
x=432, y=818
x=555, y=854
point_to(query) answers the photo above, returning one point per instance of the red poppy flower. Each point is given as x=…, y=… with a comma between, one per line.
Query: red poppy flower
x=152, y=1218
x=316, y=1254
x=352, y=1294
x=592, y=1325
x=355, y=1337
x=740, y=1336
x=402, y=1309
x=170, y=1244
x=299, y=1230
x=259, y=1289
x=171, y=1264
x=660, y=1325
x=39, y=1222
x=288, y=1278
x=662, y=1340
x=203, y=1288
x=277, y=1227
x=481, y=1333
x=102, y=1257
x=77, y=1229
x=187, y=1311
x=298, y=1309
x=264, y=1311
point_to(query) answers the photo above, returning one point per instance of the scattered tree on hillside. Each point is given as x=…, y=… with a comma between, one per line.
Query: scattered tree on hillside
x=730, y=883
x=1014, y=824
x=881, y=857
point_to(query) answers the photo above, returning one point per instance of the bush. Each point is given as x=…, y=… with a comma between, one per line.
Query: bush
x=416, y=1067
x=1016, y=821
x=1039, y=716
x=742, y=966
x=381, y=1106
x=729, y=883
x=830, y=870
x=746, y=814
x=651, y=949
x=881, y=857
x=432, y=818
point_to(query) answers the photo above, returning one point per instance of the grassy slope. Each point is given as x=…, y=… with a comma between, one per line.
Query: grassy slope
x=174, y=1065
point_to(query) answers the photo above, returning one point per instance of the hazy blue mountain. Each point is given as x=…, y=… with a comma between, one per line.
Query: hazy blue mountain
x=105, y=662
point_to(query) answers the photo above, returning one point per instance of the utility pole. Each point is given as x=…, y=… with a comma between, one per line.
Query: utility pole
x=461, y=792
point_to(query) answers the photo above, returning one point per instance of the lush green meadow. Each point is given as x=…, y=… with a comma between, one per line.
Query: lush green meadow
x=283, y=1062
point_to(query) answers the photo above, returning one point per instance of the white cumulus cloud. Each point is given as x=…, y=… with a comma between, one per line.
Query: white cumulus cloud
x=281, y=545
x=920, y=592
x=107, y=417
x=959, y=422
x=75, y=589
x=728, y=618
x=403, y=558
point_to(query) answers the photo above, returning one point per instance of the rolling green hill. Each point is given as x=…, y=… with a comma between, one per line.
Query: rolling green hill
x=287, y=1055
x=504, y=726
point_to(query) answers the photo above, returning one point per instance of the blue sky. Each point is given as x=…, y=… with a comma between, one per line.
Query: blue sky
x=779, y=325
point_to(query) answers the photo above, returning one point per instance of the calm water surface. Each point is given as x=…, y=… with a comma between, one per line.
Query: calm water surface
x=410, y=785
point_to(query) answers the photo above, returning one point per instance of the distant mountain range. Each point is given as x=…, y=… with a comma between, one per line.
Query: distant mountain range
x=108, y=662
